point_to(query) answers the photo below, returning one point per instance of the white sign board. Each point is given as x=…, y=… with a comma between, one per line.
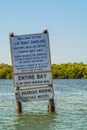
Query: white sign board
x=33, y=79
x=31, y=59
x=24, y=95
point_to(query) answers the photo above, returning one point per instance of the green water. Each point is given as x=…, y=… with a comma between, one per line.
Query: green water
x=70, y=103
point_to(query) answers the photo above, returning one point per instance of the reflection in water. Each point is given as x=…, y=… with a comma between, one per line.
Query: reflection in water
x=32, y=121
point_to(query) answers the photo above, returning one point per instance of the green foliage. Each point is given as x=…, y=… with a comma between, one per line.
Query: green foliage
x=70, y=71
x=5, y=71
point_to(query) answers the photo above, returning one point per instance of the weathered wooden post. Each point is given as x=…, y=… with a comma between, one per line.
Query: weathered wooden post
x=51, y=104
x=18, y=107
x=18, y=103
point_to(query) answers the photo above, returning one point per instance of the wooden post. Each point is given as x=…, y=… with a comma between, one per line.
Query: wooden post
x=11, y=34
x=18, y=103
x=18, y=107
x=45, y=31
x=51, y=105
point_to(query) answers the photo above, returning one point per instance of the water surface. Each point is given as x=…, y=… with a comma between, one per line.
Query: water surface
x=70, y=103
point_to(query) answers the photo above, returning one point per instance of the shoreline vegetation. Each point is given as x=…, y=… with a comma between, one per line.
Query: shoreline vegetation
x=61, y=71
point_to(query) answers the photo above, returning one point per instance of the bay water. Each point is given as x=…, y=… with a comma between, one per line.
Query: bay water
x=70, y=104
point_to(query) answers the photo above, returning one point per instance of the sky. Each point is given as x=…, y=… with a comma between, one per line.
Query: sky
x=66, y=21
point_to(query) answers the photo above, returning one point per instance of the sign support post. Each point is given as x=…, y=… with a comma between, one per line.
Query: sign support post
x=51, y=104
x=18, y=103
x=18, y=107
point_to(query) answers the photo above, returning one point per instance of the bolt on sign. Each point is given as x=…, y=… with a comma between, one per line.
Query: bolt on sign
x=31, y=62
